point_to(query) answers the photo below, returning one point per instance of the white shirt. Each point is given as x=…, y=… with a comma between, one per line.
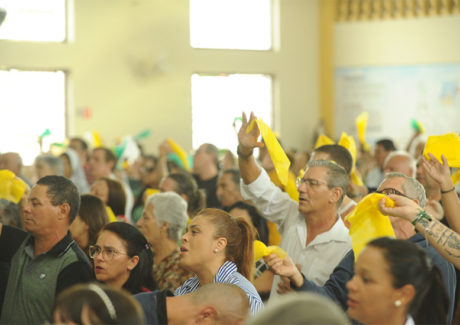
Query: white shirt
x=374, y=177
x=321, y=256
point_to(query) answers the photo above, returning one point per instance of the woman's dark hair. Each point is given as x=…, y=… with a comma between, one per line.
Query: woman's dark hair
x=107, y=305
x=257, y=220
x=409, y=264
x=93, y=213
x=186, y=184
x=117, y=196
x=240, y=239
x=140, y=278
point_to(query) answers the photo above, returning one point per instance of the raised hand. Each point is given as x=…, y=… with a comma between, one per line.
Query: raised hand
x=247, y=141
x=440, y=173
x=404, y=208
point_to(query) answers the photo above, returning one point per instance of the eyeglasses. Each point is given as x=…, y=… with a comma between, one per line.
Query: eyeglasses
x=389, y=191
x=107, y=253
x=309, y=182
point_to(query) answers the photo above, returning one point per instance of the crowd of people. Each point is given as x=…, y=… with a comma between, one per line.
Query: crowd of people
x=160, y=242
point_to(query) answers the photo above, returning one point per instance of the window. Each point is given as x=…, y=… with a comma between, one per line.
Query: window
x=231, y=24
x=31, y=103
x=34, y=20
x=218, y=100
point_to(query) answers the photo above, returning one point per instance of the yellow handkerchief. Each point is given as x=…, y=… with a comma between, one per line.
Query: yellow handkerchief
x=456, y=177
x=368, y=223
x=149, y=192
x=12, y=188
x=260, y=250
x=447, y=145
x=323, y=140
x=355, y=178
x=97, y=142
x=361, y=126
x=110, y=214
x=180, y=152
x=348, y=142
x=276, y=152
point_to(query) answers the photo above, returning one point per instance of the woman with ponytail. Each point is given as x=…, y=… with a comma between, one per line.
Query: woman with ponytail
x=396, y=283
x=122, y=258
x=219, y=248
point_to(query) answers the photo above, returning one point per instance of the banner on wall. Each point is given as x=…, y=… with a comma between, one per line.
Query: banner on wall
x=395, y=95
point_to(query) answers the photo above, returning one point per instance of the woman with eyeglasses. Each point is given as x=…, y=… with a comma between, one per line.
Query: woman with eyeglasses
x=122, y=258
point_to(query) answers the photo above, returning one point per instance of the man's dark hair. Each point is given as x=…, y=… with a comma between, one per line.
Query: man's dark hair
x=387, y=144
x=109, y=155
x=234, y=173
x=83, y=143
x=61, y=190
x=339, y=154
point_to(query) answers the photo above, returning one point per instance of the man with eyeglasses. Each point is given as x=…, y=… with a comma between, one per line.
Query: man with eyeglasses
x=335, y=287
x=45, y=259
x=311, y=230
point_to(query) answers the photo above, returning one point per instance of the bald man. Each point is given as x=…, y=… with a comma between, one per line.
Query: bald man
x=214, y=303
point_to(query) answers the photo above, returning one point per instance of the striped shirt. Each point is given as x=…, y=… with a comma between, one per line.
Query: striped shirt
x=227, y=273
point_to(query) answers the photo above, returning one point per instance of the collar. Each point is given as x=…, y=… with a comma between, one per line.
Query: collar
x=57, y=250
x=337, y=233
x=225, y=271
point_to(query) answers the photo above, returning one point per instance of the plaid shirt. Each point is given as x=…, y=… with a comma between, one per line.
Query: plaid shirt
x=169, y=274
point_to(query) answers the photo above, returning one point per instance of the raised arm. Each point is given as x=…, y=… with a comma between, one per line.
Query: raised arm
x=164, y=150
x=441, y=174
x=247, y=141
x=445, y=240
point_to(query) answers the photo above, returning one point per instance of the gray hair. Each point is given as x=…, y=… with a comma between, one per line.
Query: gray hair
x=55, y=163
x=301, y=308
x=411, y=187
x=336, y=175
x=402, y=153
x=171, y=208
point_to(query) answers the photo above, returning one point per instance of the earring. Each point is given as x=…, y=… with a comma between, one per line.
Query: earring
x=398, y=303
x=216, y=250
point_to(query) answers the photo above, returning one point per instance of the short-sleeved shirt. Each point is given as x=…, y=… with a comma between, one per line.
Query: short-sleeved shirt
x=34, y=281
x=169, y=274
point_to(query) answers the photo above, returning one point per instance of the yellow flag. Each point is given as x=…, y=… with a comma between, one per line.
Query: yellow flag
x=280, y=160
x=368, y=223
x=12, y=188
x=179, y=152
x=260, y=250
x=323, y=140
x=447, y=145
x=361, y=126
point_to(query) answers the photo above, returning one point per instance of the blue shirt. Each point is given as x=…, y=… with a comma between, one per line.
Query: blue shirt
x=227, y=273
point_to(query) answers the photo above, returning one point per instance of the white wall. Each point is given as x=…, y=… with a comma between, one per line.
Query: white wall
x=110, y=33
